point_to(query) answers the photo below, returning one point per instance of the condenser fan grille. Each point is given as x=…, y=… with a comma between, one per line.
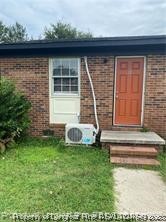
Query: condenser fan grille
x=74, y=134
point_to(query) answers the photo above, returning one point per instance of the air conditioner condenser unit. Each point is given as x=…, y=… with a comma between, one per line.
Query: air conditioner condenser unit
x=80, y=134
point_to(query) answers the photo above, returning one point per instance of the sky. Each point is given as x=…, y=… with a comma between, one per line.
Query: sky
x=101, y=17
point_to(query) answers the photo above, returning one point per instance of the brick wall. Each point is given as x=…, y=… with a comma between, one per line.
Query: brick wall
x=101, y=70
x=31, y=77
x=155, y=94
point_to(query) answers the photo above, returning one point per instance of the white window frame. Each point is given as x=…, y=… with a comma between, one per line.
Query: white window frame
x=62, y=94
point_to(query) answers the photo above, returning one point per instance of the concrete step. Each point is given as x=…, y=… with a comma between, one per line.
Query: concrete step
x=134, y=161
x=130, y=137
x=133, y=151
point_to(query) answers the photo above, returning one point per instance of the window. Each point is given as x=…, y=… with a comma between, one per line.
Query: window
x=65, y=76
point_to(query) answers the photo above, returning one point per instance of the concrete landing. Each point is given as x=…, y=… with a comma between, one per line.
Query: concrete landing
x=130, y=137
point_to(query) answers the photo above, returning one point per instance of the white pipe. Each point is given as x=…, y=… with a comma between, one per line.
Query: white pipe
x=93, y=93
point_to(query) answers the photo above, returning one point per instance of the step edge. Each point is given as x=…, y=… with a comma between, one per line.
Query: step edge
x=132, y=142
x=149, y=150
x=156, y=162
x=133, y=155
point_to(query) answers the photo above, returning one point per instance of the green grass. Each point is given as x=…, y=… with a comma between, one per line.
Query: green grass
x=162, y=168
x=40, y=176
x=44, y=176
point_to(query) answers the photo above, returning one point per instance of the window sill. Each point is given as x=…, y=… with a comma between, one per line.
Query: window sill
x=60, y=125
x=65, y=96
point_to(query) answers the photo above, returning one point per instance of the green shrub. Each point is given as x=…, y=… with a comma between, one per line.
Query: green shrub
x=14, y=107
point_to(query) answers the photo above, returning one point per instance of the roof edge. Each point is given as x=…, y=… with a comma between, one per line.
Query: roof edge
x=94, y=39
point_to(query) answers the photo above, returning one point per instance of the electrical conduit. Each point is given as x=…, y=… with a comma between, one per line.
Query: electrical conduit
x=93, y=93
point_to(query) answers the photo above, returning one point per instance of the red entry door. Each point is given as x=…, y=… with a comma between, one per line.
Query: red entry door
x=129, y=87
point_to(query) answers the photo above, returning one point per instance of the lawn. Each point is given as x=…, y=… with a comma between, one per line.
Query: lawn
x=41, y=176
x=162, y=167
x=45, y=176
